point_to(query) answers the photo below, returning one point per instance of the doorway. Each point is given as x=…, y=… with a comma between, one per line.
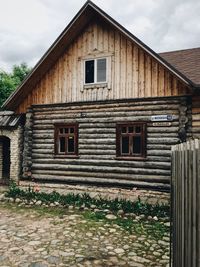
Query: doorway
x=5, y=157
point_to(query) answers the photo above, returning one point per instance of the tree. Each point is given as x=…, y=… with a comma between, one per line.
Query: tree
x=10, y=81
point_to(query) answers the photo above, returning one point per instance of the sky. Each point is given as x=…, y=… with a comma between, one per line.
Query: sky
x=28, y=28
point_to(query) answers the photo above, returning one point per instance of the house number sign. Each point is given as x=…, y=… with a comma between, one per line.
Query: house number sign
x=162, y=118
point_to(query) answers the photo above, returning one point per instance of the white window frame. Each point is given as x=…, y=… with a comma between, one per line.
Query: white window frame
x=95, y=71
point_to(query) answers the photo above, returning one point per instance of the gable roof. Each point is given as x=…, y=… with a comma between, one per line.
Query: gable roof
x=186, y=61
x=74, y=28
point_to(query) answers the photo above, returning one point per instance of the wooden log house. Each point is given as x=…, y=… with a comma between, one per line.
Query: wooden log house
x=100, y=107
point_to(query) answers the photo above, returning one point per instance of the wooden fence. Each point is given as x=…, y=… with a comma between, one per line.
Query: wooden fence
x=186, y=204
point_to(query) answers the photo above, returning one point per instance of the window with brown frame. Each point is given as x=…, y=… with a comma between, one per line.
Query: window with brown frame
x=66, y=139
x=131, y=140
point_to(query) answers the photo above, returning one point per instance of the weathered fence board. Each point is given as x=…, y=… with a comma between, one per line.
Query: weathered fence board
x=186, y=204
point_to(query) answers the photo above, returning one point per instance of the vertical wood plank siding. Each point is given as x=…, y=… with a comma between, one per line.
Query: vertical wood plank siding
x=133, y=73
x=97, y=142
x=185, y=200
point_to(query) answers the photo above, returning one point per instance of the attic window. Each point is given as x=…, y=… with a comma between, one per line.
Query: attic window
x=95, y=71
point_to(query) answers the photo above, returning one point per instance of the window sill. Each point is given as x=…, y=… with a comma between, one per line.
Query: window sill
x=95, y=85
x=66, y=156
x=130, y=158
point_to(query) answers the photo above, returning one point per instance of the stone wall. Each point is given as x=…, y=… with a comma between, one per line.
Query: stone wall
x=1, y=160
x=16, y=144
x=28, y=142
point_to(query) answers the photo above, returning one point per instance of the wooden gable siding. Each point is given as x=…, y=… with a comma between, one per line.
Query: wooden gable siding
x=133, y=72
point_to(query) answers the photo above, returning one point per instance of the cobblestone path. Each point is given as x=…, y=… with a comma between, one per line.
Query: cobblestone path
x=29, y=239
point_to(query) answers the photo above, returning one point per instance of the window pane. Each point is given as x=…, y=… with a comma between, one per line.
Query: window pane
x=138, y=129
x=62, y=144
x=125, y=145
x=71, y=144
x=71, y=130
x=61, y=130
x=89, y=71
x=130, y=129
x=123, y=129
x=101, y=70
x=137, y=145
x=66, y=130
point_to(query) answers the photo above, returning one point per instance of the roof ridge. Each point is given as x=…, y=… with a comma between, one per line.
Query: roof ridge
x=181, y=50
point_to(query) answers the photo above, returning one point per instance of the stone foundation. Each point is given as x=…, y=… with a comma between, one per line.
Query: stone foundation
x=1, y=160
x=149, y=196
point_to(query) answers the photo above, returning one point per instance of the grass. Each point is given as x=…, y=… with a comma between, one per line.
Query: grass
x=78, y=200
x=154, y=229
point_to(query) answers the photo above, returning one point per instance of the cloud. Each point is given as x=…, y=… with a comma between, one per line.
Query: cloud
x=28, y=28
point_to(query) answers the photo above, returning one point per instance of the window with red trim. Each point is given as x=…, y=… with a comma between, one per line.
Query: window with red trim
x=131, y=140
x=66, y=139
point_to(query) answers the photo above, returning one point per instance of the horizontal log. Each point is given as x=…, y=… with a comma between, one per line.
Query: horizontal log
x=162, y=135
x=99, y=119
x=150, y=178
x=110, y=163
x=96, y=147
x=158, y=146
x=107, y=114
x=170, y=141
x=36, y=155
x=137, y=106
x=166, y=129
x=97, y=141
x=44, y=131
x=96, y=136
x=42, y=136
x=45, y=126
x=196, y=124
x=196, y=110
x=43, y=151
x=115, y=182
x=196, y=117
x=91, y=168
x=95, y=130
x=42, y=141
x=102, y=157
x=43, y=146
x=159, y=158
x=166, y=153
x=96, y=152
x=196, y=130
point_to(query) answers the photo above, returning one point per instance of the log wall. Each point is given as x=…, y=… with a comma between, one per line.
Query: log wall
x=132, y=73
x=196, y=116
x=97, y=161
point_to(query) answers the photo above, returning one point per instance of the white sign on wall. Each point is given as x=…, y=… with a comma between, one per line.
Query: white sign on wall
x=162, y=123
x=162, y=118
